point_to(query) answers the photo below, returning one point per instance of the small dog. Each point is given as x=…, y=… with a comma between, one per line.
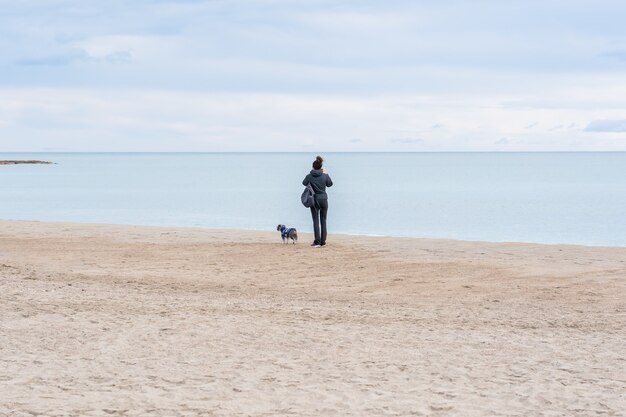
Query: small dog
x=288, y=233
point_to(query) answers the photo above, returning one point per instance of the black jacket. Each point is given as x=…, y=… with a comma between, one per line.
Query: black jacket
x=319, y=181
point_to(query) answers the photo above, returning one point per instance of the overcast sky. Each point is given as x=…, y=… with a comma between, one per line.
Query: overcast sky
x=312, y=75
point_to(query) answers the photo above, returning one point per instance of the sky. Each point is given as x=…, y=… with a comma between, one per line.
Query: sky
x=312, y=75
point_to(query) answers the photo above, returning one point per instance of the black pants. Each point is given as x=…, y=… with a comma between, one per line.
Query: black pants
x=319, y=211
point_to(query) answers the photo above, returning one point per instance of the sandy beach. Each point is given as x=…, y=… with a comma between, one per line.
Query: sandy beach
x=99, y=320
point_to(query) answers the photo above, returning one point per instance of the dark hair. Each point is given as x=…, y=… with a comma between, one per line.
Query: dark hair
x=317, y=164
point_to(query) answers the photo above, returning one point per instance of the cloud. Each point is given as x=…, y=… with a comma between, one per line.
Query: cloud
x=53, y=60
x=618, y=55
x=355, y=47
x=170, y=120
x=118, y=57
x=406, y=141
x=503, y=141
x=79, y=56
x=56, y=149
x=606, y=126
x=294, y=72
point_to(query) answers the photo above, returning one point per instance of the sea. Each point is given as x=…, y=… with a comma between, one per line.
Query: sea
x=551, y=197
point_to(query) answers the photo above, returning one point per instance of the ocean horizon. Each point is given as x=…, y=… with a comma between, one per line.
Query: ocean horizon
x=539, y=197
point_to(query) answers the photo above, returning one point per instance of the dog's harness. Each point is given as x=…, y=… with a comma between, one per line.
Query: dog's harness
x=284, y=232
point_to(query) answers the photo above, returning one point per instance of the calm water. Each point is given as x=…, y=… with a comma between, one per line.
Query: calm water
x=532, y=197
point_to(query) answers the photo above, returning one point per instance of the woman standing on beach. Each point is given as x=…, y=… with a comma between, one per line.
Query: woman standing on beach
x=319, y=180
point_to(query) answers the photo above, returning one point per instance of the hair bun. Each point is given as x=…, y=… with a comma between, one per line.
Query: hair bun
x=317, y=164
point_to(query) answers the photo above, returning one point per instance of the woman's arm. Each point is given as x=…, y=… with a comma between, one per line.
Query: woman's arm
x=305, y=181
x=329, y=182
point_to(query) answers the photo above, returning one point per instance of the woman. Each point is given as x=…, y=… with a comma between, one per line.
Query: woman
x=319, y=180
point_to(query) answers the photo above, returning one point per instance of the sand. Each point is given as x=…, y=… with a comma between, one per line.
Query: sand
x=100, y=320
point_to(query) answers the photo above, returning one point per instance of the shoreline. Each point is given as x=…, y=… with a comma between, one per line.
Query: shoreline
x=304, y=152
x=139, y=320
x=270, y=230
